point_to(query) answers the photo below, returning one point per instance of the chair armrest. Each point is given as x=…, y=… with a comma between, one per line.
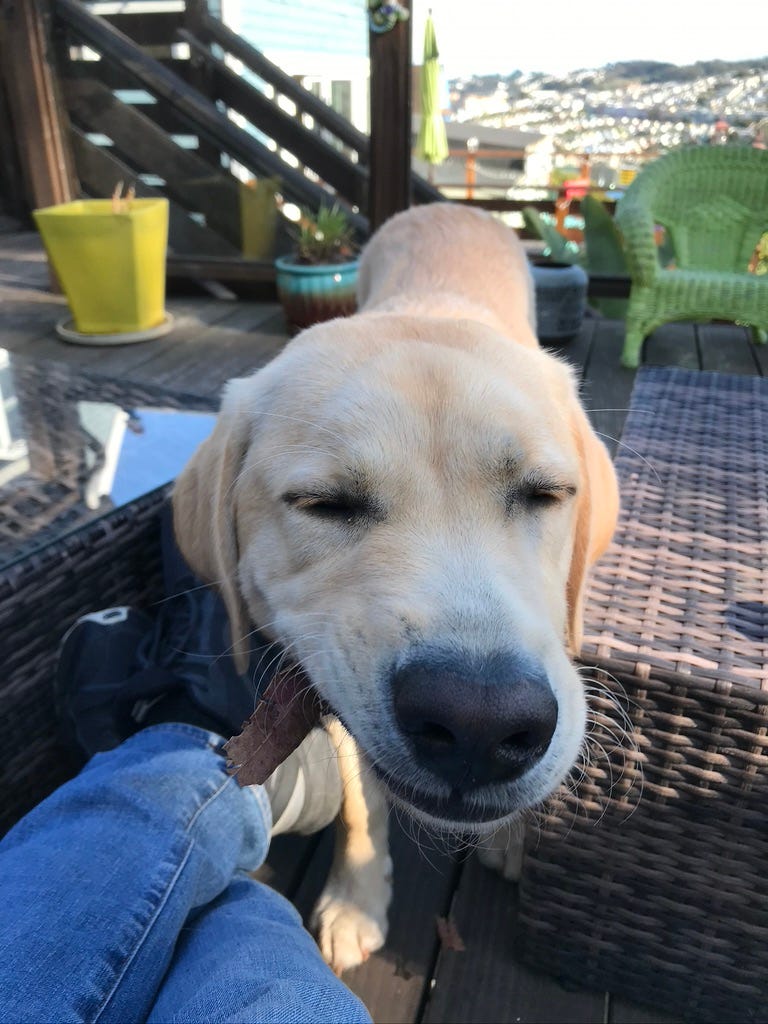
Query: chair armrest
x=636, y=224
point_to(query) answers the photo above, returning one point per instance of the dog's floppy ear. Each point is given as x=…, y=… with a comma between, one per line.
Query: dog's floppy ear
x=597, y=509
x=204, y=510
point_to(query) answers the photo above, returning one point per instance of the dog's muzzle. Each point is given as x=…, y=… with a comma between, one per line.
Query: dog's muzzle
x=472, y=722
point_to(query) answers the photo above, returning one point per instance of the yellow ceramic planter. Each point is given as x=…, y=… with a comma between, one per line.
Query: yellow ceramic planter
x=258, y=218
x=111, y=266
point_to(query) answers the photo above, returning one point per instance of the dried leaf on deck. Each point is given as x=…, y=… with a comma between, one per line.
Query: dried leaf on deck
x=448, y=934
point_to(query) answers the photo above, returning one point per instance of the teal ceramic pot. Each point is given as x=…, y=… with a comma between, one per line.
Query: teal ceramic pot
x=311, y=293
x=561, y=299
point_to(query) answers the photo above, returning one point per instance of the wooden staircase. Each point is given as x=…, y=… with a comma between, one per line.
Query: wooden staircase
x=154, y=99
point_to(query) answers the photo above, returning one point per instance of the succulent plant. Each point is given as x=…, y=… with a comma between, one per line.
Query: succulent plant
x=327, y=237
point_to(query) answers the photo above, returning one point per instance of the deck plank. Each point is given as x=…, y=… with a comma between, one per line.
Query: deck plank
x=760, y=352
x=607, y=384
x=394, y=982
x=672, y=345
x=726, y=348
x=114, y=360
x=484, y=984
x=577, y=350
x=143, y=362
x=23, y=263
x=211, y=342
x=237, y=346
x=23, y=321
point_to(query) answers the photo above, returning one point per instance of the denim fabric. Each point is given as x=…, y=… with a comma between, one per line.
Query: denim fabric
x=124, y=898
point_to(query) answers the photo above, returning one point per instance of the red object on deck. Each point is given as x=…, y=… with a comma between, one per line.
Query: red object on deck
x=576, y=188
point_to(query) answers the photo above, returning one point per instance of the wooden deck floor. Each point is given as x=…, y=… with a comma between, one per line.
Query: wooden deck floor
x=413, y=978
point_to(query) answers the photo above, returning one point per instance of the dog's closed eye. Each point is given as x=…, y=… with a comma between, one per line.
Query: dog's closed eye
x=341, y=506
x=537, y=493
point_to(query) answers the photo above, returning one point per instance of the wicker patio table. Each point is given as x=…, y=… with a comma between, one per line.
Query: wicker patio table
x=79, y=530
x=651, y=880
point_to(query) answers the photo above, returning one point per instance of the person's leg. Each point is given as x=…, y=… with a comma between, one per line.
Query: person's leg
x=246, y=957
x=97, y=882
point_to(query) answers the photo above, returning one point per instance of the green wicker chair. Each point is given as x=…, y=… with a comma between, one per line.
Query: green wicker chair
x=713, y=202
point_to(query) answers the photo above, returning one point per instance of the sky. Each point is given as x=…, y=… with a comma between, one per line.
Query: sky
x=488, y=36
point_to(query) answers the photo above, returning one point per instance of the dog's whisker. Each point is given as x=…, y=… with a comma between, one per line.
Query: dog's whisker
x=613, y=718
x=181, y=593
x=602, y=726
x=590, y=409
x=279, y=453
x=632, y=451
x=625, y=737
x=275, y=454
x=282, y=652
x=620, y=702
x=309, y=423
x=616, y=712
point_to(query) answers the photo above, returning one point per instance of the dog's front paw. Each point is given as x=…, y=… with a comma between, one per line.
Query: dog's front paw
x=503, y=852
x=350, y=918
x=346, y=934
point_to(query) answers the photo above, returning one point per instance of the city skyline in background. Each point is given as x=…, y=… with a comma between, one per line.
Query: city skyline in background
x=500, y=36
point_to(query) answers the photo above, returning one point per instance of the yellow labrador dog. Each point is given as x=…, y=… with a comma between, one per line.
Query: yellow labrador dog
x=409, y=500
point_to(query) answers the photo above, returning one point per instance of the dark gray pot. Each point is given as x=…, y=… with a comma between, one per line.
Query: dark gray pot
x=561, y=299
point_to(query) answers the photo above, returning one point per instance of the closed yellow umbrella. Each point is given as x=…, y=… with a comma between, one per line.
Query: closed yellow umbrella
x=432, y=142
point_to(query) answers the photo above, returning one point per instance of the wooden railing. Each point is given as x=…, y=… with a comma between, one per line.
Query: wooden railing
x=328, y=158
x=213, y=31
x=365, y=175
x=199, y=112
x=347, y=178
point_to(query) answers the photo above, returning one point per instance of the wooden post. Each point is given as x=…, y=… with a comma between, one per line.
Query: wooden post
x=12, y=196
x=470, y=173
x=40, y=124
x=562, y=208
x=390, y=162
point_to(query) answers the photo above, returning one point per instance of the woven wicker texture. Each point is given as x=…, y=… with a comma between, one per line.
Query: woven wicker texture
x=115, y=560
x=68, y=560
x=713, y=201
x=651, y=880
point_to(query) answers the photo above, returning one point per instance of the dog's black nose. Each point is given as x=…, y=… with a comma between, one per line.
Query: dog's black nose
x=475, y=721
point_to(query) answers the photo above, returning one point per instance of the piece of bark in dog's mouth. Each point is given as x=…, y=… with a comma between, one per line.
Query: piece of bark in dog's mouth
x=287, y=710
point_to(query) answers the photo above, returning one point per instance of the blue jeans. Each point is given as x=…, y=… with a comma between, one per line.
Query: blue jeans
x=125, y=897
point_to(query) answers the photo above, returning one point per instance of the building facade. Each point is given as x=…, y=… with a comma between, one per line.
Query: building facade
x=323, y=44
